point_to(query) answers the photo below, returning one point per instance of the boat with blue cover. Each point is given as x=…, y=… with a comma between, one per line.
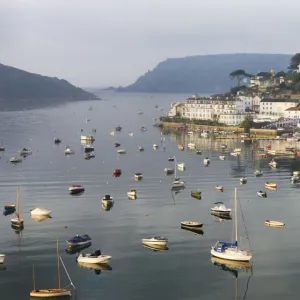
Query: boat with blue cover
x=9, y=209
x=79, y=240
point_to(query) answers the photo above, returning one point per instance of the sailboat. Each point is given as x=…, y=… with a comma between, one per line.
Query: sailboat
x=52, y=292
x=231, y=251
x=177, y=183
x=18, y=222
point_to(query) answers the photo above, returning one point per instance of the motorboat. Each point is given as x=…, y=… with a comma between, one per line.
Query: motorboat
x=271, y=185
x=155, y=146
x=76, y=189
x=138, y=176
x=121, y=151
x=9, y=209
x=68, y=150
x=156, y=248
x=196, y=194
x=180, y=147
x=89, y=155
x=15, y=160
x=131, y=192
x=2, y=258
x=273, y=164
x=168, y=171
x=181, y=166
x=143, y=128
x=79, y=240
x=25, y=152
x=117, y=145
x=117, y=172
x=219, y=188
x=258, y=173
x=221, y=209
x=222, y=157
x=199, y=152
x=88, y=148
x=94, y=258
x=274, y=223
x=87, y=138
x=231, y=250
x=156, y=240
x=171, y=158
x=262, y=194
x=223, y=146
x=140, y=149
x=243, y=180
x=118, y=128
x=107, y=201
x=191, y=224
x=177, y=183
x=191, y=145
x=40, y=212
x=206, y=161
x=57, y=141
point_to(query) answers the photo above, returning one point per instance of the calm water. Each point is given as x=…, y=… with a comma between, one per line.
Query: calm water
x=185, y=271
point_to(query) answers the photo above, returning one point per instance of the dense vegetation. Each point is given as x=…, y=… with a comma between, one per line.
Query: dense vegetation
x=191, y=121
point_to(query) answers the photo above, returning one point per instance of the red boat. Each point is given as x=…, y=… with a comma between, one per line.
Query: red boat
x=117, y=172
x=268, y=147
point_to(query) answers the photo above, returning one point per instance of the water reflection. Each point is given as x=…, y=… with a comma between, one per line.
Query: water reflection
x=156, y=247
x=221, y=218
x=108, y=206
x=2, y=267
x=197, y=231
x=53, y=298
x=40, y=218
x=98, y=268
x=77, y=249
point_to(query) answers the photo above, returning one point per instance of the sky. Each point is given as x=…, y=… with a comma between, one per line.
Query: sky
x=100, y=43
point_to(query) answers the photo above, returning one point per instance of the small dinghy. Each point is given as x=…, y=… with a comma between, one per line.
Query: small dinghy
x=117, y=145
x=262, y=194
x=57, y=141
x=25, y=152
x=122, y=151
x=191, y=224
x=117, y=172
x=138, y=176
x=15, y=160
x=221, y=209
x=243, y=180
x=196, y=194
x=131, y=193
x=88, y=148
x=76, y=189
x=143, y=128
x=180, y=147
x=168, y=171
x=273, y=164
x=178, y=184
x=79, y=240
x=271, y=185
x=107, y=201
x=68, y=151
x=223, y=146
x=156, y=240
x=2, y=258
x=94, y=258
x=89, y=155
x=155, y=146
x=222, y=157
x=40, y=212
x=118, y=128
x=258, y=173
x=9, y=209
x=206, y=161
x=274, y=223
x=171, y=159
x=181, y=166
x=140, y=149
x=219, y=188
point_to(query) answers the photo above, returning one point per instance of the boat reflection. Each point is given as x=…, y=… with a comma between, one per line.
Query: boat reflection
x=107, y=207
x=96, y=267
x=195, y=230
x=52, y=298
x=221, y=218
x=40, y=218
x=77, y=194
x=17, y=229
x=131, y=197
x=156, y=247
x=77, y=249
x=2, y=267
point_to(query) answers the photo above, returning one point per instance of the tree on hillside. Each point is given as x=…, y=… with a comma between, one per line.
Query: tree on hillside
x=239, y=75
x=247, y=123
x=280, y=74
x=264, y=74
x=295, y=61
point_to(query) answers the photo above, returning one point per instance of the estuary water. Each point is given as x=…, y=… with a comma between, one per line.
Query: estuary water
x=185, y=270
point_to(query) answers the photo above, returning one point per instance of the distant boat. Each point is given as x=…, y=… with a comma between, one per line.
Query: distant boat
x=222, y=157
x=262, y=194
x=138, y=176
x=274, y=223
x=40, y=212
x=118, y=128
x=199, y=152
x=181, y=165
x=15, y=160
x=25, y=152
x=191, y=145
x=271, y=185
x=206, y=161
x=88, y=138
x=121, y=151
x=191, y=224
x=117, y=172
x=221, y=209
x=223, y=146
x=94, y=258
x=155, y=146
x=2, y=258
x=131, y=192
x=180, y=147
x=9, y=209
x=40, y=218
x=88, y=148
x=2, y=148
x=112, y=133
x=68, y=151
x=143, y=128
x=243, y=180
x=273, y=164
x=107, y=201
x=219, y=188
x=76, y=189
x=196, y=194
x=168, y=171
x=89, y=155
x=18, y=222
x=258, y=173
x=156, y=240
x=140, y=149
x=57, y=141
x=139, y=112
x=171, y=159
x=117, y=145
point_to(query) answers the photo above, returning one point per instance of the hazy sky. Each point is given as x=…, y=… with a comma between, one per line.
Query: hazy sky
x=111, y=42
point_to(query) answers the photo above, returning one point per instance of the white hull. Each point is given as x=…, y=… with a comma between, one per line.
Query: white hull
x=131, y=194
x=2, y=258
x=232, y=254
x=79, y=243
x=178, y=185
x=107, y=202
x=151, y=242
x=274, y=223
x=40, y=212
x=101, y=259
x=50, y=293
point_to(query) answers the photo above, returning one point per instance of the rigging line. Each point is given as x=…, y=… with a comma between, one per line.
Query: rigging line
x=247, y=285
x=71, y=283
x=244, y=224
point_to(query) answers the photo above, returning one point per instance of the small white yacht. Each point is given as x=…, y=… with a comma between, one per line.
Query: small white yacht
x=25, y=152
x=177, y=183
x=221, y=209
x=156, y=240
x=68, y=150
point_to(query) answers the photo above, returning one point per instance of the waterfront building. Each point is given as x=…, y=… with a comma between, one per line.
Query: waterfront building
x=276, y=107
x=292, y=113
x=176, y=109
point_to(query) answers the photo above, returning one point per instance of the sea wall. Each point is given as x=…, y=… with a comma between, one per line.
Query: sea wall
x=263, y=132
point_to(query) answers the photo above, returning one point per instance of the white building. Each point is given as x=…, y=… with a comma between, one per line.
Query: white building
x=175, y=109
x=247, y=101
x=256, y=103
x=222, y=109
x=276, y=107
x=292, y=113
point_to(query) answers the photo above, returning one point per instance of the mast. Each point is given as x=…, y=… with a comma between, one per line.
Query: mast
x=33, y=277
x=18, y=203
x=58, y=273
x=235, y=215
